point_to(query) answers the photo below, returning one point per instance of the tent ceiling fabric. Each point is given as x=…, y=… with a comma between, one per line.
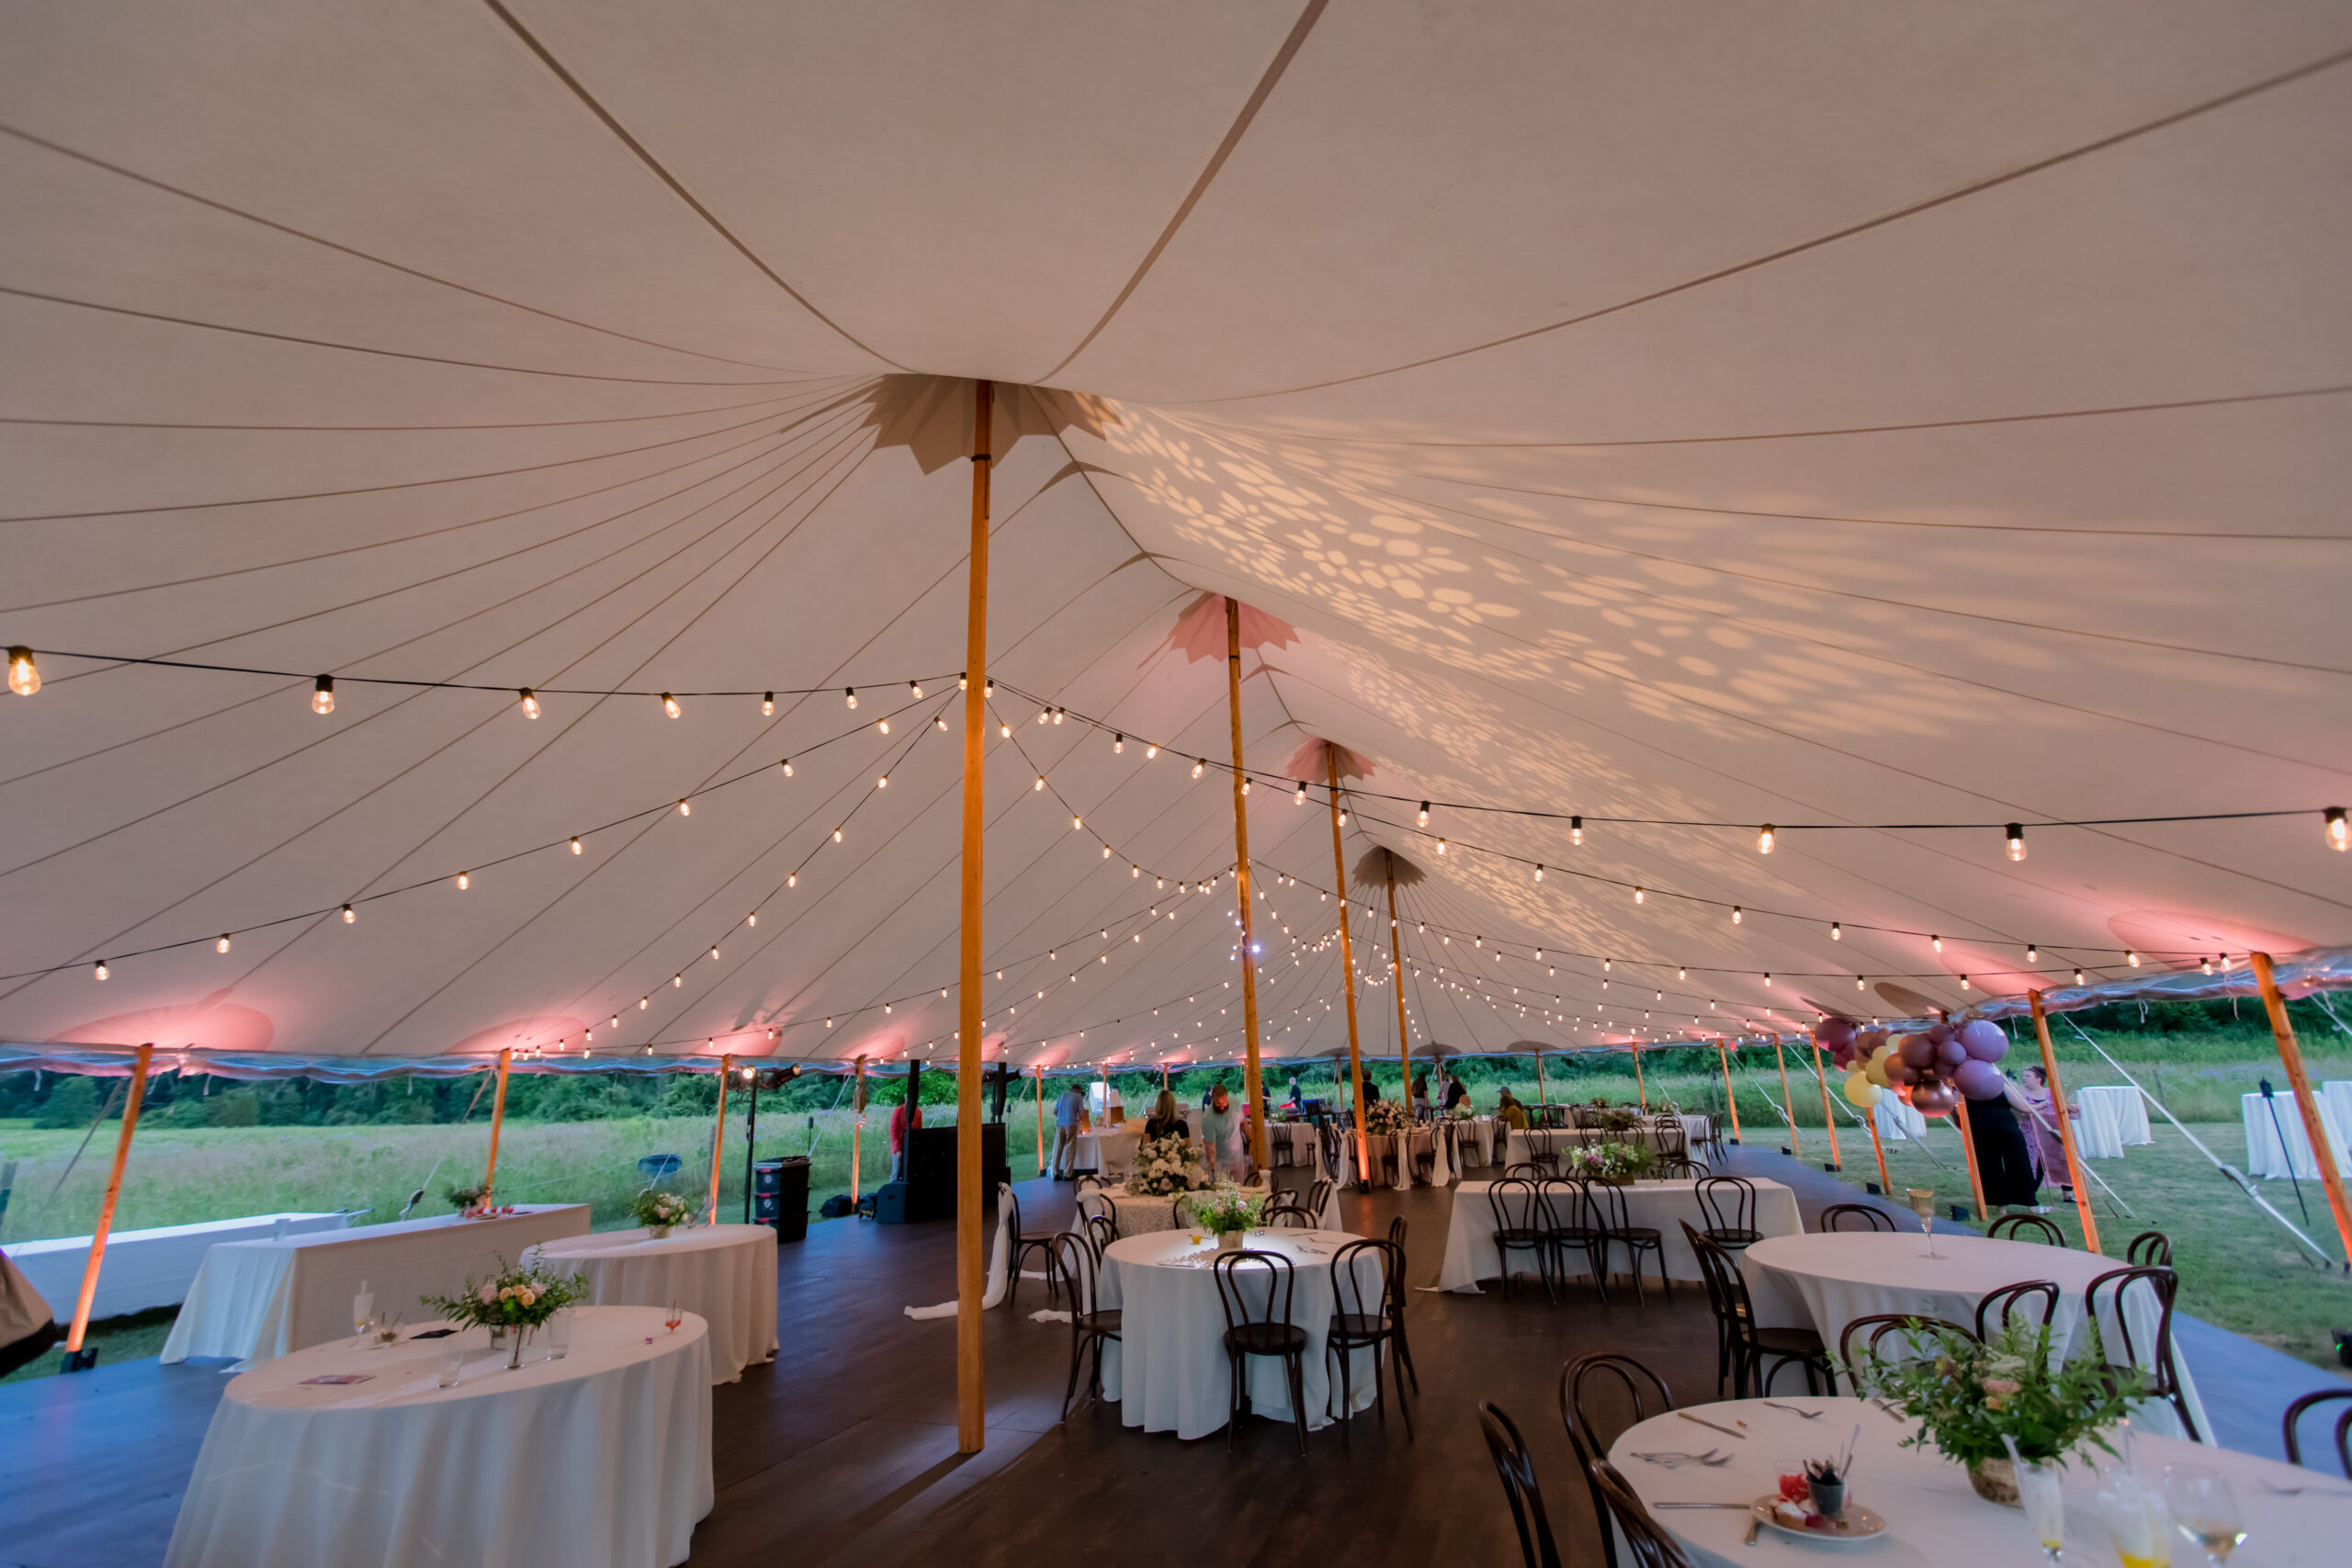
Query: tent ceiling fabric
x=1914, y=414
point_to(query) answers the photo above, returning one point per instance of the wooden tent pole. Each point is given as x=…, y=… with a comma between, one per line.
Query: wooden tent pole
x=1543, y=1095
x=1041, y=1120
x=1731, y=1098
x=497, y=1120
x=718, y=1133
x=1968, y=1148
x=1828, y=1120
x=971, y=1266
x=1870, y=1118
x=857, y=1127
x=1256, y=1082
x=2290, y=1055
x=2066, y=1125
x=1395, y=978
x=89, y=1292
x=1348, y=973
x=1640, y=1091
x=1787, y=1106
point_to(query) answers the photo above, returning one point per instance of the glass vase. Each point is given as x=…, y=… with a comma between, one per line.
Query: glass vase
x=516, y=1336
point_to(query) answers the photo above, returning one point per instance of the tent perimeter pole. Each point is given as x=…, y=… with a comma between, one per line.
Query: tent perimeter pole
x=1869, y=1119
x=718, y=1133
x=1731, y=1098
x=497, y=1120
x=971, y=1283
x=1256, y=1082
x=856, y=1129
x=1041, y=1120
x=1787, y=1106
x=106, y=1214
x=1395, y=978
x=1640, y=1091
x=2290, y=1055
x=1828, y=1121
x=1968, y=1148
x=1348, y=971
x=2065, y=1124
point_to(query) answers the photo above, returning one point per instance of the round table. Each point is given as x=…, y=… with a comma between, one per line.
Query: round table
x=1934, y=1520
x=1825, y=1281
x=1141, y=1213
x=1168, y=1370
x=723, y=1274
x=601, y=1460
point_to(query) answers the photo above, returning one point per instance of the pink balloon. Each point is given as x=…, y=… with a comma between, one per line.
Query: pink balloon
x=1919, y=1051
x=1952, y=1052
x=1940, y=1032
x=1978, y=1081
x=1983, y=1040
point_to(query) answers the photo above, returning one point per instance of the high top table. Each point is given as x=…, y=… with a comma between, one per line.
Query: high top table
x=253, y=1300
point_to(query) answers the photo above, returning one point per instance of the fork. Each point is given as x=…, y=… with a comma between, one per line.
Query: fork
x=1808, y=1415
x=2277, y=1491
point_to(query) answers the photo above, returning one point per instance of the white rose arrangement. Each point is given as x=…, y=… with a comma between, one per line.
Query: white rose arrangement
x=1165, y=1167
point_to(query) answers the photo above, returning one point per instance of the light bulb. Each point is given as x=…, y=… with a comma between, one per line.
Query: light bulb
x=321, y=694
x=1937, y=943
x=1539, y=874
x=1764, y=840
x=1198, y=764
x=1106, y=851
x=787, y=766
x=465, y=880
x=851, y=692
x=24, y=676
x=914, y=690
x=2033, y=952
x=101, y=972
x=1299, y=796
x=1343, y=818
x=1836, y=932
x=1576, y=830
x=222, y=945
x=1039, y=785
x=1441, y=846
x=1060, y=713
x=1964, y=982
x=1422, y=820
x=1118, y=744
x=1137, y=871
x=2131, y=958
x=1004, y=732
x=939, y=722
x=988, y=689
x=2078, y=977
x=837, y=835
x=616, y=1020
x=883, y=725
x=714, y=952
x=2205, y=966
x=1682, y=974
x=669, y=704
x=1149, y=752
x=1075, y=822
x=2015, y=832
x=530, y=703
x=767, y=704
x=882, y=782
x=685, y=807
x=641, y=1003
x=1638, y=895
x=350, y=915
x=677, y=980
x=2339, y=834
x=1736, y=914
x=792, y=879
x=752, y=919
x=1044, y=715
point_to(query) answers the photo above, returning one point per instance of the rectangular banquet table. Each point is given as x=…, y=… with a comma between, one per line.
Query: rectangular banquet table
x=144, y=1269
x=1470, y=1254
x=256, y=1300
x=1545, y=1140
x=2263, y=1156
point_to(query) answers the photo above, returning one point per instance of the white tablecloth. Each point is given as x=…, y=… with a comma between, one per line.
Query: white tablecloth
x=2120, y=1106
x=1293, y=1142
x=1167, y=1370
x=2262, y=1156
x=2098, y=1131
x=1934, y=1520
x=723, y=1274
x=1106, y=1150
x=1898, y=1121
x=1417, y=1142
x=1521, y=1145
x=1470, y=1254
x=1141, y=1214
x=598, y=1460
x=1825, y=1281
x=146, y=1268
x=253, y=1300
x=1474, y=1138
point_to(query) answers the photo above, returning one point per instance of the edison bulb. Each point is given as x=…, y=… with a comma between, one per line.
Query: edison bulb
x=24, y=676
x=321, y=694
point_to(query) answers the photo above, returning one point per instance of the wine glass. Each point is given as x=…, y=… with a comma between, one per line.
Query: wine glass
x=672, y=1317
x=363, y=1312
x=1923, y=1203
x=2044, y=1503
x=451, y=1362
x=2204, y=1509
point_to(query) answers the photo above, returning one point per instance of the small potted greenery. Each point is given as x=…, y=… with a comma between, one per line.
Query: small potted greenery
x=464, y=1198
x=1227, y=1212
x=511, y=1303
x=1981, y=1403
x=658, y=1210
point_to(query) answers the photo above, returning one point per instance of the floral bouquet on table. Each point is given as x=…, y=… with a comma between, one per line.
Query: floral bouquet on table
x=1165, y=1167
x=1613, y=1162
x=1464, y=1112
x=1227, y=1212
x=464, y=1198
x=657, y=1211
x=1387, y=1116
x=512, y=1300
x=1975, y=1400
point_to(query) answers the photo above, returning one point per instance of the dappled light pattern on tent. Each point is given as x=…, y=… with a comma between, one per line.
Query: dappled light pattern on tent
x=1887, y=426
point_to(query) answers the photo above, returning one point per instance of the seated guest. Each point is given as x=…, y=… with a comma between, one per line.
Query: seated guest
x=1163, y=1121
x=1511, y=1113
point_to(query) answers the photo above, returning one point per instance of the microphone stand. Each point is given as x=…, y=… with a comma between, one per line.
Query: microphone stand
x=2285, y=1152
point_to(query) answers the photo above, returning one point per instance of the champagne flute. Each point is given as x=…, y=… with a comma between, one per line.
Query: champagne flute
x=363, y=1311
x=2044, y=1503
x=2204, y=1509
x=1923, y=1203
x=672, y=1317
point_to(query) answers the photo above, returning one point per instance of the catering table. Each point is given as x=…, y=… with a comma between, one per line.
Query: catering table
x=723, y=1274
x=2113, y=1117
x=1106, y=1150
x=153, y=1268
x=1140, y=1213
x=1522, y=1145
x=1470, y=1254
x=1934, y=1520
x=1167, y=1370
x=2262, y=1157
x=1475, y=1140
x=601, y=1460
x=1293, y=1142
x=1825, y=1281
x=253, y=1300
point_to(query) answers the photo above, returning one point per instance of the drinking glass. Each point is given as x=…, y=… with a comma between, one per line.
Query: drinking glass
x=2204, y=1509
x=2045, y=1506
x=363, y=1312
x=672, y=1317
x=1923, y=1203
x=560, y=1335
x=452, y=1361
x=2138, y=1537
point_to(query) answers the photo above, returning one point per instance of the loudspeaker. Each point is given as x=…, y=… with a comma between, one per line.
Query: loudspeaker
x=780, y=1196
x=928, y=1192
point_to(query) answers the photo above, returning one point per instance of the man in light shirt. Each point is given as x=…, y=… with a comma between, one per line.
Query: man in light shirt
x=1221, y=1125
x=1070, y=1112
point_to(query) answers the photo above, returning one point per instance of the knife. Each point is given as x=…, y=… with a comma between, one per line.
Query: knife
x=1740, y=1506
x=1725, y=1430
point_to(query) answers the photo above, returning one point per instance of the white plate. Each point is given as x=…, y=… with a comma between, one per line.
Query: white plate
x=1856, y=1524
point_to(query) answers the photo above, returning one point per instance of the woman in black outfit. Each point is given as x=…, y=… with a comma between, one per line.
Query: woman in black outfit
x=1164, y=1120
x=2004, y=1163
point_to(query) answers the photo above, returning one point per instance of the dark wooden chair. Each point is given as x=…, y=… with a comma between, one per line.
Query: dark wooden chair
x=1642, y=1389
x=1651, y=1547
x=1362, y=1320
x=1519, y=1215
x=1570, y=1224
x=1100, y=1231
x=2026, y=1228
x=2149, y=1250
x=1866, y=1217
x=1997, y=1308
x=2116, y=1287
x=1319, y=1197
x=1681, y=1167
x=1424, y=1152
x=1750, y=1347
x=1284, y=1208
x=1528, y=1170
x=1397, y=1299
x=1267, y=1330
x=1516, y=1468
x=1089, y=1325
x=1023, y=1246
x=1729, y=1204
x=1607, y=1205
x=1873, y=1329
x=2311, y=1401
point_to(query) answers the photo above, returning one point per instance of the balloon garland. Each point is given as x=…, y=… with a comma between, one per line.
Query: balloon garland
x=1931, y=1071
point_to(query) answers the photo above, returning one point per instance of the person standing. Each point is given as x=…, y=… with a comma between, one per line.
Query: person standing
x=1069, y=1111
x=2004, y=1163
x=902, y=1120
x=1222, y=1126
x=2042, y=1131
x=1456, y=1091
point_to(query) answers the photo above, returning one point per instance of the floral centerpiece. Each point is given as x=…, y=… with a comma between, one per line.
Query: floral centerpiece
x=464, y=1198
x=1614, y=1163
x=512, y=1302
x=1227, y=1212
x=1464, y=1112
x=1975, y=1400
x=1164, y=1166
x=1387, y=1116
x=658, y=1210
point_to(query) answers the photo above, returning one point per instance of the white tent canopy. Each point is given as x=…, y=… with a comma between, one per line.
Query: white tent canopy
x=1702, y=415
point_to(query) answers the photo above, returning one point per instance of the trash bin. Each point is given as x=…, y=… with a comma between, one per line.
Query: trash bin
x=780, y=1196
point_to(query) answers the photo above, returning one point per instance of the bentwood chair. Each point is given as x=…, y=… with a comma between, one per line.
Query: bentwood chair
x=1100, y=1231
x=1252, y=1329
x=1571, y=1225
x=1681, y=1167
x=1651, y=1547
x=2311, y=1401
x=1361, y=1320
x=1729, y=1204
x=1998, y=1309
x=1866, y=1217
x=1520, y=1226
x=2149, y=1250
x=1089, y=1325
x=2118, y=1288
x=1319, y=1197
x=1756, y=1355
x=1396, y=1299
x=1284, y=1208
x=1023, y=1246
x=1873, y=1329
x=1606, y=1203
x=1583, y=1382
x=2026, y=1228
x=1516, y=1469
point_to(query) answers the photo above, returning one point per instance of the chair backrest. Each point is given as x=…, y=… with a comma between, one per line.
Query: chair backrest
x=2310, y=1402
x=1238, y=1309
x=2149, y=1250
x=1566, y=1204
x=1701, y=1248
x=1101, y=1230
x=1515, y=1205
x=1396, y=1230
x=1651, y=1546
x=1088, y=1181
x=1352, y=1294
x=1516, y=1468
x=1681, y=1167
x=1868, y=1217
x=1605, y=1201
x=2026, y=1228
x=1319, y=1197
x=1996, y=1310
x=2116, y=1287
x=1005, y=1194
x=1284, y=1208
x=1728, y=1201
x=1074, y=1255
x=1914, y=1343
x=1642, y=1388
x=1526, y=1171
x=1727, y=1287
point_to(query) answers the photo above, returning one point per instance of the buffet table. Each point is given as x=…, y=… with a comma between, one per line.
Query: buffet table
x=341, y=1454
x=153, y=1268
x=723, y=1274
x=253, y=1300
